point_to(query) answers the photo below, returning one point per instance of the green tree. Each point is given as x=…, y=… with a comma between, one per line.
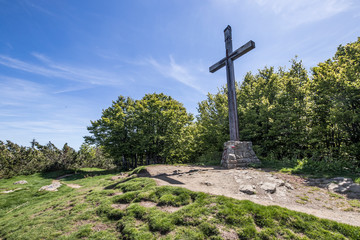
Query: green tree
x=113, y=130
x=272, y=110
x=335, y=104
x=213, y=122
x=160, y=127
x=144, y=131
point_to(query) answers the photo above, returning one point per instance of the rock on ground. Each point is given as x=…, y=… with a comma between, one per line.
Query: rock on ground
x=247, y=189
x=269, y=187
x=21, y=182
x=52, y=187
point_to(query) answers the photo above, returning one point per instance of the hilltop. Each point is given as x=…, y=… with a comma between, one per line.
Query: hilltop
x=96, y=204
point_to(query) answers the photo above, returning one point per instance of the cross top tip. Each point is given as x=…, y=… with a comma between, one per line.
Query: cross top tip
x=227, y=28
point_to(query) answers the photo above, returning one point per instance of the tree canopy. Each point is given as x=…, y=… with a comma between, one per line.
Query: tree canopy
x=155, y=129
x=290, y=113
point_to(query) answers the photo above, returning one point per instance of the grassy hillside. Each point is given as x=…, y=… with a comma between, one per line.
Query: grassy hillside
x=131, y=207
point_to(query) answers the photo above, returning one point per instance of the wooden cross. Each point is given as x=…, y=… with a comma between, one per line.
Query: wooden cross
x=228, y=62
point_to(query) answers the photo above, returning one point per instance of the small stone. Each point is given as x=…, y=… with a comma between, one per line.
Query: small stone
x=333, y=187
x=52, y=187
x=269, y=187
x=232, y=161
x=21, y=182
x=238, y=180
x=338, y=179
x=230, y=166
x=231, y=156
x=279, y=182
x=9, y=191
x=207, y=183
x=354, y=188
x=342, y=181
x=247, y=189
x=289, y=186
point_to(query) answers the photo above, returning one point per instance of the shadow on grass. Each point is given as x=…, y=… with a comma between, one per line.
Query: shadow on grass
x=71, y=175
x=309, y=169
x=112, y=186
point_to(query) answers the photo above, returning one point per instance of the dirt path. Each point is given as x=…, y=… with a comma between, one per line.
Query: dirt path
x=262, y=187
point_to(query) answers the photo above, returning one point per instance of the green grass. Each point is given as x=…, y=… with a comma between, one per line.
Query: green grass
x=90, y=212
x=314, y=189
x=354, y=203
x=334, y=195
x=141, y=169
x=302, y=199
x=317, y=169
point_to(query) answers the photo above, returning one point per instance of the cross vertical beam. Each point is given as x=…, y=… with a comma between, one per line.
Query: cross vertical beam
x=230, y=75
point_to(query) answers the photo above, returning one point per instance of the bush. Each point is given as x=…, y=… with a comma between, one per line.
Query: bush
x=19, y=160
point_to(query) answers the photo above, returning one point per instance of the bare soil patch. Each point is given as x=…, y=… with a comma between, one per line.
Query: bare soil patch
x=64, y=176
x=55, y=184
x=147, y=204
x=228, y=234
x=121, y=176
x=266, y=188
x=169, y=209
x=121, y=206
x=73, y=185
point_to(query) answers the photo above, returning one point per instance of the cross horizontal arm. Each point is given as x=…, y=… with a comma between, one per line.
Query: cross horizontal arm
x=247, y=47
x=233, y=56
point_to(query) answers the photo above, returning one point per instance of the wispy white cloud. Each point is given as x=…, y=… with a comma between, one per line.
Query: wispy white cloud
x=57, y=131
x=38, y=7
x=180, y=73
x=51, y=126
x=71, y=89
x=14, y=91
x=298, y=12
x=7, y=114
x=52, y=69
x=32, y=110
x=291, y=13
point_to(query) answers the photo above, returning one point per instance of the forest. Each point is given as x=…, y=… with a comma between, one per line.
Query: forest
x=306, y=120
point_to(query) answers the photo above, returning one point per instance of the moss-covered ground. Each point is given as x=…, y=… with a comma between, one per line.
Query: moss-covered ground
x=135, y=208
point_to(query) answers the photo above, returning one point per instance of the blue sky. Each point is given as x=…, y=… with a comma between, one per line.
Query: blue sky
x=63, y=61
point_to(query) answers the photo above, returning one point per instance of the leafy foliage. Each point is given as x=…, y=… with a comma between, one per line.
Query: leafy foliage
x=289, y=115
x=20, y=160
x=335, y=104
x=155, y=129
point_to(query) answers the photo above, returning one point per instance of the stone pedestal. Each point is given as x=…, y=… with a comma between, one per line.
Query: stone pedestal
x=238, y=154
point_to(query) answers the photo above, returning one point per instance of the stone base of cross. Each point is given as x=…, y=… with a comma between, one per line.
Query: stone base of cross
x=236, y=153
